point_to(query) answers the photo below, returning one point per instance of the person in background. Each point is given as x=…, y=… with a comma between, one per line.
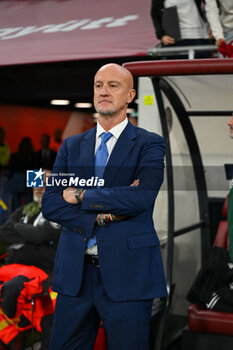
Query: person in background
x=220, y=19
x=4, y=150
x=108, y=265
x=45, y=157
x=20, y=162
x=56, y=140
x=230, y=124
x=230, y=203
x=4, y=160
x=133, y=118
x=191, y=21
x=31, y=244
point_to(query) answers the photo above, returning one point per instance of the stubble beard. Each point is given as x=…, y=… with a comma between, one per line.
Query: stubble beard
x=108, y=112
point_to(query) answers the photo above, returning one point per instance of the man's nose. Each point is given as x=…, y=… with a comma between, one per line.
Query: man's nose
x=104, y=91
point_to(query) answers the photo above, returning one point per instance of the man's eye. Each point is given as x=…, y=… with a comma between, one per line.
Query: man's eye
x=113, y=86
x=98, y=86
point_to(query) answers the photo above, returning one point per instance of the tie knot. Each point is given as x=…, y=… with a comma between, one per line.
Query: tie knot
x=105, y=137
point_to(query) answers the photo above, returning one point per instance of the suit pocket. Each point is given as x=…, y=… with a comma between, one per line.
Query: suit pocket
x=143, y=241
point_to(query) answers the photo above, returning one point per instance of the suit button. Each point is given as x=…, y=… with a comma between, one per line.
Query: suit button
x=79, y=230
x=85, y=240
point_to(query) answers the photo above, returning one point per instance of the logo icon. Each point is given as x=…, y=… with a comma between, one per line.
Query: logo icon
x=35, y=178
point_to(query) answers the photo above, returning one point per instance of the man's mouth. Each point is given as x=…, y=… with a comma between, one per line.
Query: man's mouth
x=104, y=101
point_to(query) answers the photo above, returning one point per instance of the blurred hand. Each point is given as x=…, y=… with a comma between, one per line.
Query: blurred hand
x=68, y=195
x=220, y=41
x=135, y=183
x=168, y=40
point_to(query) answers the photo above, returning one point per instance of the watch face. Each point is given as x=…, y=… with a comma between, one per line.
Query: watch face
x=77, y=194
x=78, y=191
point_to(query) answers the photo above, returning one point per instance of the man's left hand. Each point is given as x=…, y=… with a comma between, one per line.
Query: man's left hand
x=68, y=195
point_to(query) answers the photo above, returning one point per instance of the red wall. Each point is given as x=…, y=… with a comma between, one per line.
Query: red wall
x=19, y=122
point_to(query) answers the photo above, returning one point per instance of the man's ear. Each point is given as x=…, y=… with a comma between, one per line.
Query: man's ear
x=131, y=95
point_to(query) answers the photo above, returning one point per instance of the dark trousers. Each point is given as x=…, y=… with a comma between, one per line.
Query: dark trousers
x=77, y=319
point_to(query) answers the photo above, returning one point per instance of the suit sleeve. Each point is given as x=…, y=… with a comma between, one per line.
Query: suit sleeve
x=129, y=200
x=56, y=209
x=156, y=15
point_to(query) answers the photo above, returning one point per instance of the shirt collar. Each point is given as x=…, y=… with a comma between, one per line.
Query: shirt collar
x=115, y=131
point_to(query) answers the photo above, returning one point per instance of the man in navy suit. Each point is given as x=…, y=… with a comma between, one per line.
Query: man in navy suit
x=108, y=265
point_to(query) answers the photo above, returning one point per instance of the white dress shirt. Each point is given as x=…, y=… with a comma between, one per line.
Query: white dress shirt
x=192, y=25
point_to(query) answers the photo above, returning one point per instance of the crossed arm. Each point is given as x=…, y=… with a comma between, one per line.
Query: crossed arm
x=59, y=204
x=101, y=219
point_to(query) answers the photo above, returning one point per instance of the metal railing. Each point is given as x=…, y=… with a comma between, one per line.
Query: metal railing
x=181, y=50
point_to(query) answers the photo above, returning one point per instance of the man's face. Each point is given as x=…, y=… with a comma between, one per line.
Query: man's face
x=39, y=191
x=112, y=91
x=38, y=194
x=230, y=124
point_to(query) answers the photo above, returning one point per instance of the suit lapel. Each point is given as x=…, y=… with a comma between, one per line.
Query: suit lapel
x=121, y=150
x=87, y=149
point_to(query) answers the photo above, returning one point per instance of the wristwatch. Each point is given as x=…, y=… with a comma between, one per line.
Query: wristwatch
x=77, y=194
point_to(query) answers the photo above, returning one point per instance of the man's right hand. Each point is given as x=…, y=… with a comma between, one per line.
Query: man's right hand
x=168, y=40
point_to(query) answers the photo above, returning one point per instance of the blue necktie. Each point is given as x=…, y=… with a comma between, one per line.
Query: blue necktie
x=102, y=155
x=101, y=158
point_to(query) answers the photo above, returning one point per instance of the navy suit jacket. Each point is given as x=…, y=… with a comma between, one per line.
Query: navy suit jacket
x=129, y=250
